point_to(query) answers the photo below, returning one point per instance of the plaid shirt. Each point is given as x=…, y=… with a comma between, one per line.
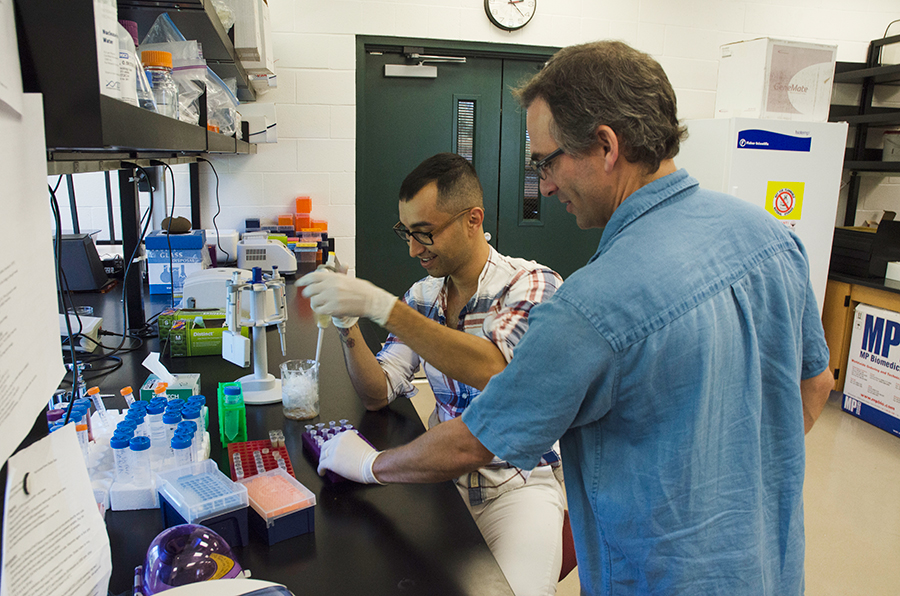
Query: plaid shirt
x=507, y=290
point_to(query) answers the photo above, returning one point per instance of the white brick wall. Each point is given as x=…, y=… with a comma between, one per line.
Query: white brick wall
x=314, y=44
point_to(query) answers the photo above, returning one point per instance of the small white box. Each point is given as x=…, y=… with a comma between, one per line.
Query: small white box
x=262, y=120
x=775, y=78
x=253, y=36
x=872, y=385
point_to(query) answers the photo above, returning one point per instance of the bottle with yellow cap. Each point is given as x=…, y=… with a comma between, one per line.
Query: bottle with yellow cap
x=158, y=65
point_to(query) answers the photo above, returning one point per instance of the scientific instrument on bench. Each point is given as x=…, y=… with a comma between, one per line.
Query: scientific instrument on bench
x=256, y=250
x=261, y=387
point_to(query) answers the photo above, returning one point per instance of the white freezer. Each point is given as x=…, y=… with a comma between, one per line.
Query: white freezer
x=791, y=169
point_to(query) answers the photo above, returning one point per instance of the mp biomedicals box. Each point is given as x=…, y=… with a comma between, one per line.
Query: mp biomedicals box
x=775, y=78
x=872, y=386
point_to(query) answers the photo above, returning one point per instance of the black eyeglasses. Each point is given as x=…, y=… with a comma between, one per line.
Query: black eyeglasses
x=540, y=166
x=426, y=238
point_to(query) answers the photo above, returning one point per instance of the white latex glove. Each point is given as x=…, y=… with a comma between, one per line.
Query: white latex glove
x=341, y=296
x=351, y=457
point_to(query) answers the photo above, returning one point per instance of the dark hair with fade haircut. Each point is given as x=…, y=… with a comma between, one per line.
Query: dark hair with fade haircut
x=611, y=83
x=457, y=182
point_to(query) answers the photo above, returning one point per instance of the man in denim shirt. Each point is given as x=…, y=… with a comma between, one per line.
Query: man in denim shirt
x=680, y=366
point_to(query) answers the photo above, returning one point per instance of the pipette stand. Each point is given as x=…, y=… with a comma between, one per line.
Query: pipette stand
x=261, y=387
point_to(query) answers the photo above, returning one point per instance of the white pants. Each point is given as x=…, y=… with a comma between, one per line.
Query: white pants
x=523, y=528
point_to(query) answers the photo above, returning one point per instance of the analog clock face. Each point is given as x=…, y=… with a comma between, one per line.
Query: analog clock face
x=510, y=14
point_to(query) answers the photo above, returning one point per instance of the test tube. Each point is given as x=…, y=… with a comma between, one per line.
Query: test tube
x=119, y=443
x=200, y=400
x=170, y=422
x=181, y=449
x=258, y=460
x=86, y=404
x=157, y=429
x=232, y=395
x=140, y=421
x=78, y=416
x=128, y=395
x=238, y=467
x=140, y=460
x=127, y=426
x=94, y=395
x=160, y=390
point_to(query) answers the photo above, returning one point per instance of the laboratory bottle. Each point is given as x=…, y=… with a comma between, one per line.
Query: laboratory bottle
x=120, y=445
x=158, y=65
x=127, y=73
x=181, y=450
x=140, y=460
x=128, y=395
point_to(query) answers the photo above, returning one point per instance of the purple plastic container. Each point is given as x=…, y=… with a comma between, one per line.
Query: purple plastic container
x=187, y=554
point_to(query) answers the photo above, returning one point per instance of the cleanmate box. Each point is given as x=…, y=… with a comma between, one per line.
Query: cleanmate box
x=775, y=78
x=872, y=388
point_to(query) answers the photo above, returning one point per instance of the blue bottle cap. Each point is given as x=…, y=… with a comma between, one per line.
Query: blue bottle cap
x=180, y=441
x=189, y=425
x=119, y=441
x=190, y=413
x=171, y=417
x=157, y=408
x=232, y=390
x=139, y=405
x=139, y=443
x=135, y=415
x=176, y=403
x=197, y=399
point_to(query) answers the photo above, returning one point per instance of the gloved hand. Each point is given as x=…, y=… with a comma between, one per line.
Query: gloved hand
x=340, y=296
x=351, y=457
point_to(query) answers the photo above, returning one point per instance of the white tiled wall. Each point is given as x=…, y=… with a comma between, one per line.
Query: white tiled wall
x=314, y=44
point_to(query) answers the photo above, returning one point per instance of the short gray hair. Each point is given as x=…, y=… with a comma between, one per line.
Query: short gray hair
x=611, y=83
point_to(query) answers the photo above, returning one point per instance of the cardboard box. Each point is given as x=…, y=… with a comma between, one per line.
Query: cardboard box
x=189, y=254
x=872, y=386
x=775, y=78
x=186, y=337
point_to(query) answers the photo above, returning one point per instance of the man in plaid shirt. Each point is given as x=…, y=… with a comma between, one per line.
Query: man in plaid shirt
x=461, y=323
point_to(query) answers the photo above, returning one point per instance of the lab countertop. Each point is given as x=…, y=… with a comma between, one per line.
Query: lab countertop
x=409, y=539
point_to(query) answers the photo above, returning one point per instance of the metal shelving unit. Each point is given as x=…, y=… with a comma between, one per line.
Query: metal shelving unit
x=86, y=131
x=859, y=159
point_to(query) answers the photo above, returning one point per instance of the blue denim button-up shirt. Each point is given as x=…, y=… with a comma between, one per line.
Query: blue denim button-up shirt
x=670, y=366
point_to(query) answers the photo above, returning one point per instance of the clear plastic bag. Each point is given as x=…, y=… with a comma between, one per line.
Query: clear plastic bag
x=226, y=14
x=221, y=104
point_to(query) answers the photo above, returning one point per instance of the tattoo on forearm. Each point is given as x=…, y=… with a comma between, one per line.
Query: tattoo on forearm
x=345, y=338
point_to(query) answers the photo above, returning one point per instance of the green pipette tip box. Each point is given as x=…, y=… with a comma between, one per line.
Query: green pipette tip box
x=232, y=416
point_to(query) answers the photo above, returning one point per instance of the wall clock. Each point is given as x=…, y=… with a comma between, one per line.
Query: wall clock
x=510, y=15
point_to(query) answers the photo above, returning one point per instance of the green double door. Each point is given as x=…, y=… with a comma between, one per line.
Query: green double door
x=467, y=109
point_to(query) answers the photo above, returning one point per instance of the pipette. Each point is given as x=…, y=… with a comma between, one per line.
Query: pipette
x=322, y=321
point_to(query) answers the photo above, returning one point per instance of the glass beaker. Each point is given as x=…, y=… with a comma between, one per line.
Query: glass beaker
x=300, y=389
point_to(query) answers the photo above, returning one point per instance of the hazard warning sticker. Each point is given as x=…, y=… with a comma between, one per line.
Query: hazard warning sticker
x=784, y=200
